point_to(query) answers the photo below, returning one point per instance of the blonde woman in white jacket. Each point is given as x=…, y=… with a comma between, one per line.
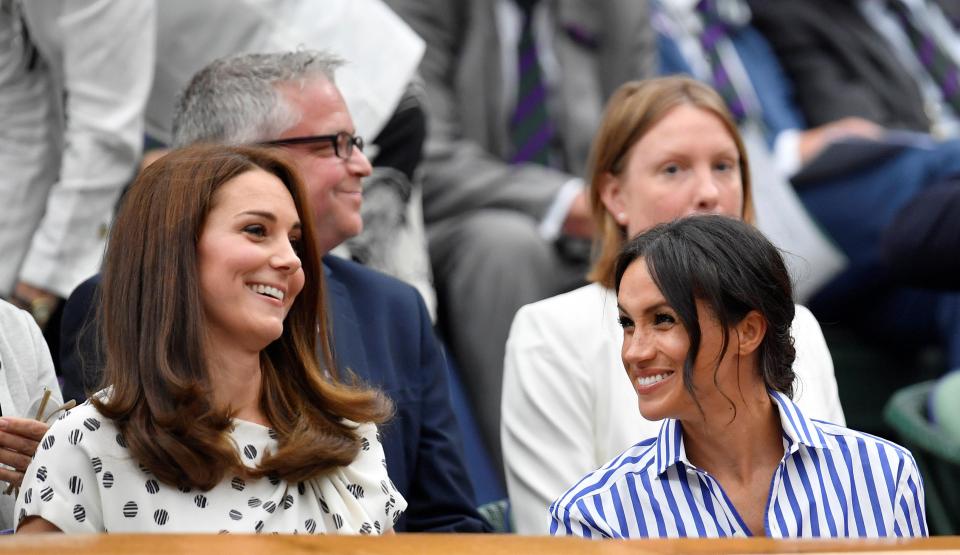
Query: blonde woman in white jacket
x=666, y=148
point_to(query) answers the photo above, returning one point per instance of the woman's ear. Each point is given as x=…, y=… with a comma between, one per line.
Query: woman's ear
x=611, y=194
x=751, y=331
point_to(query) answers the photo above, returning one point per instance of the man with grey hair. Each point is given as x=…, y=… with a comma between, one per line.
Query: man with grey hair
x=381, y=330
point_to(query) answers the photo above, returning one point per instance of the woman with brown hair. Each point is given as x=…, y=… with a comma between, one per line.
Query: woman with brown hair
x=666, y=148
x=216, y=415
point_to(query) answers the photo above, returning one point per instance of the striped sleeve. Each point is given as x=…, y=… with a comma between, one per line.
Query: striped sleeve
x=582, y=518
x=909, y=516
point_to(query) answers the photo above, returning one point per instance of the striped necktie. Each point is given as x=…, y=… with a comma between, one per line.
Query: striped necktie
x=715, y=30
x=932, y=55
x=531, y=131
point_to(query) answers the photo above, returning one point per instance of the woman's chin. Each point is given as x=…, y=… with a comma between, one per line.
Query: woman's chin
x=651, y=413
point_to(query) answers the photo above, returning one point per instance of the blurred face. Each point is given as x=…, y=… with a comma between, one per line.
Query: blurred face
x=249, y=270
x=333, y=184
x=685, y=164
x=655, y=346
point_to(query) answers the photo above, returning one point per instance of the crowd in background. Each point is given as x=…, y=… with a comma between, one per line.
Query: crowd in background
x=468, y=175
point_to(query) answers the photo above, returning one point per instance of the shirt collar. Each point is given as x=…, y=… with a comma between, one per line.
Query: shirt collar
x=797, y=430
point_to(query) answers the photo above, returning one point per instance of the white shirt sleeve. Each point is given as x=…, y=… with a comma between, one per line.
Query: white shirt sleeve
x=107, y=69
x=552, y=223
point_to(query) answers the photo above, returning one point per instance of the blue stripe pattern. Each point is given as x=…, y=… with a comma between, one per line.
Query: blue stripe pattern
x=832, y=481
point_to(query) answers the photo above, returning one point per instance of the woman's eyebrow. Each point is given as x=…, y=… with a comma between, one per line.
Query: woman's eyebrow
x=263, y=214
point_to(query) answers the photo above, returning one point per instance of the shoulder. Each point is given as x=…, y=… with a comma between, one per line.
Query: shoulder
x=366, y=283
x=16, y=325
x=804, y=321
x=87, y=420
x=863, y=450
x=579, y=311
x=638, y=461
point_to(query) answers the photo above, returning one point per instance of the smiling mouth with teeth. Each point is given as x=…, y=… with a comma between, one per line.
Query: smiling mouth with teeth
x=650, y=380
x=266, y=290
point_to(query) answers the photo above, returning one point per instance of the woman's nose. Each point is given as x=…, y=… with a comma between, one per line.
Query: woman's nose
x=707, y=191
x=637, y=348
x=286, y=258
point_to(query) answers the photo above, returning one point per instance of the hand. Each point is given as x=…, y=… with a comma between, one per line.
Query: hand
x=578, y=222
x=19, y=438
x=813, y=141
x=40, y=303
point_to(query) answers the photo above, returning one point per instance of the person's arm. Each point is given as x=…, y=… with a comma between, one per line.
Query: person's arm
x=547, y=429
x=33, y=368
x=459, y=174
x=571, y=520
x=910, y=518
x=441, y=495
x=36, y=525
x=61, y=482
x=108, y=58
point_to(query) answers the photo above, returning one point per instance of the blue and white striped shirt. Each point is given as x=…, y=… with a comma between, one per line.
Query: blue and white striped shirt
x=832, y=481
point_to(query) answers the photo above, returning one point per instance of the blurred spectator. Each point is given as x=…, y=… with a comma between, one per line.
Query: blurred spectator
x=885, y=60
x=922, y=245
x=515, y=91
x=27, y=372
x=716, y=42
x=380, y=91
x=74, y=79
x=944, y=409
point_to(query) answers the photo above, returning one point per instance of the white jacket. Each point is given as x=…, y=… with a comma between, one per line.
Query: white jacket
x=25, y=371
x=568, y=406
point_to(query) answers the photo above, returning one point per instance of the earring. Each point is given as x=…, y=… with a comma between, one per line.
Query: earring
x=621, y=218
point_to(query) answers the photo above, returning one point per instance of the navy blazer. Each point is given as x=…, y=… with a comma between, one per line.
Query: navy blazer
x=383, y=334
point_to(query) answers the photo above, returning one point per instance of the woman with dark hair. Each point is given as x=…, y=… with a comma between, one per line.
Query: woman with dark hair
x=705, y=306
x=216, y=413
x=666, y=148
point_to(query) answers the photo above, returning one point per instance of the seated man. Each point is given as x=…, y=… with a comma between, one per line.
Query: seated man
x=381, y=329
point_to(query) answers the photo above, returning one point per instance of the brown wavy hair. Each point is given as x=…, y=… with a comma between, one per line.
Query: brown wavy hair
x=152, y=326
x=631, y=112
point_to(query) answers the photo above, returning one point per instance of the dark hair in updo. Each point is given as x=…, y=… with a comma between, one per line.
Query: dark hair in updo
x=731, y=267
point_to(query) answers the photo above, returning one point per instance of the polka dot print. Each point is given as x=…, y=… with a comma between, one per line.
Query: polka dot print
x=100, y=487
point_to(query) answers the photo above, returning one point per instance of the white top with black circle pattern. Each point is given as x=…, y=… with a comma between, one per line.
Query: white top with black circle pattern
x=83, y=479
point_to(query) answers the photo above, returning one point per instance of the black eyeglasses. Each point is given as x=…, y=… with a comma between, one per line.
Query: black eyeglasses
x=343, y=143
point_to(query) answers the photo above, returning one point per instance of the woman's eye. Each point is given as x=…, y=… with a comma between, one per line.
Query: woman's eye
x=662, y=318
x=624, y=321
x=256, y=230
x=671, y=169
x=723, y=166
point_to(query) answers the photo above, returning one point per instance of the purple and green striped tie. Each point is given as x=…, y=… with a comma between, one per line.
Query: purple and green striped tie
x=715, y=30
x=531, y=131
x=934, y=58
